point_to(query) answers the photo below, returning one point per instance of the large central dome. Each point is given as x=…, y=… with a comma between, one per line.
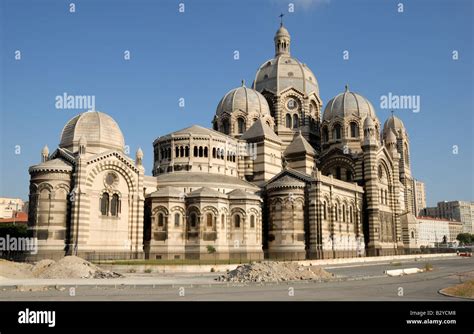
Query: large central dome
x=98, y=130
x=284, y=71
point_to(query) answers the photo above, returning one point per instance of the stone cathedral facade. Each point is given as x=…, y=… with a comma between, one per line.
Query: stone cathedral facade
x=280, y=175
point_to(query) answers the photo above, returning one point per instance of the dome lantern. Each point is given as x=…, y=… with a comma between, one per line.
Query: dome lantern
x=282, y=41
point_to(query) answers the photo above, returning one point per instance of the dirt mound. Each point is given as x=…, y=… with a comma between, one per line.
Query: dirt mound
x=10, y=269
x=274, y=272
x=67, y=267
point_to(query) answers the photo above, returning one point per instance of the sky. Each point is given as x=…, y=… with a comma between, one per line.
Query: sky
x=423, y=49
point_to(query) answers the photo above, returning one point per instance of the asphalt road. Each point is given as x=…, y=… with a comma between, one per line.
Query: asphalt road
x=355, y=283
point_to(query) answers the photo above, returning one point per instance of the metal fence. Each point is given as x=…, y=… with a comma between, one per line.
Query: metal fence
x=214, y=258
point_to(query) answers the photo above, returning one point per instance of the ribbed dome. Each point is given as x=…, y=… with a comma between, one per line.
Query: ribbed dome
x=99, y=130
x=395, y=124
x=282, y=31
x=348, y=104
x=243, y=99
x=283, y=72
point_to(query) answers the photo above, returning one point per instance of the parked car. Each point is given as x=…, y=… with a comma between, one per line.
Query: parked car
x=464, y=252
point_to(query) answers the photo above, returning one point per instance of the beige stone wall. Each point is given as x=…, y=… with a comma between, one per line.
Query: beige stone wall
x=48, y=210
x=203, y=222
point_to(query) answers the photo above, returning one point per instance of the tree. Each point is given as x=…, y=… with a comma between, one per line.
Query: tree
x=211, y=249
x=14, y=230
x=465, y=238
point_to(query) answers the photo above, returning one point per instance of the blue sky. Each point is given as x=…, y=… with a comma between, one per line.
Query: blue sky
x=191, y=55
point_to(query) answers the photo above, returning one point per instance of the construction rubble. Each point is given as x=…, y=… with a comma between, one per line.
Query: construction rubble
x=67, y=267
x=272, y=271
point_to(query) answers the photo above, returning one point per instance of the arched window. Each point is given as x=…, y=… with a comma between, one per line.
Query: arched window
x=176, y=219
x=335, y=213
x=237, y=221
x=225, y=126
x=169, y=152
x=223, y=220
x=325, y=134
x=381, y=196
x=252, y=221
x=195, y=151
x=324, y=210
x=44, y=209
x=205, y=152
x=104, y=204
x=337, y=131
x=348, y=175
x=343, y=213
x=176, y=152
x=200, y=151
x=214, y=152
x=115, y=205
x=350, y=214
x=209, y=220
x=193, y=219
x=181, y=151
x=412, y=234
x=295, y=121
x=288, y=120
x=186, y=151
x=241, y=125
x=386, y=196
x=161, y=220
x=354, y=130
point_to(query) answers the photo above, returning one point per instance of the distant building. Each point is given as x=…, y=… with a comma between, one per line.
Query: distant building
x=455, y=228
x=432, y=231
x=8, y=206
x=462, y=211
x=18, y=218
x=419, y=196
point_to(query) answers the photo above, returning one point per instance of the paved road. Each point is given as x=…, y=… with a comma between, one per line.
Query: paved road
x=353, y=286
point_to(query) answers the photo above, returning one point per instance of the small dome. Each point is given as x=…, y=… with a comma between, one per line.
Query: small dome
x=54, y=165
x=242, y=194
x=390, y=138
x=282, y=31
x=167, y=192
x=98, y=129
x=282, y=72
x=243, y=99
x=348, y=104
x=206, y=192
x=395, y=124
x=368, y=123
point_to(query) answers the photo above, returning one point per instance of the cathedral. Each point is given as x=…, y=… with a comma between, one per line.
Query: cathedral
x=277, y=176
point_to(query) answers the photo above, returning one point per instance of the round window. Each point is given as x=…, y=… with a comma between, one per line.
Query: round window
x=291, y=104
x=111, y=179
